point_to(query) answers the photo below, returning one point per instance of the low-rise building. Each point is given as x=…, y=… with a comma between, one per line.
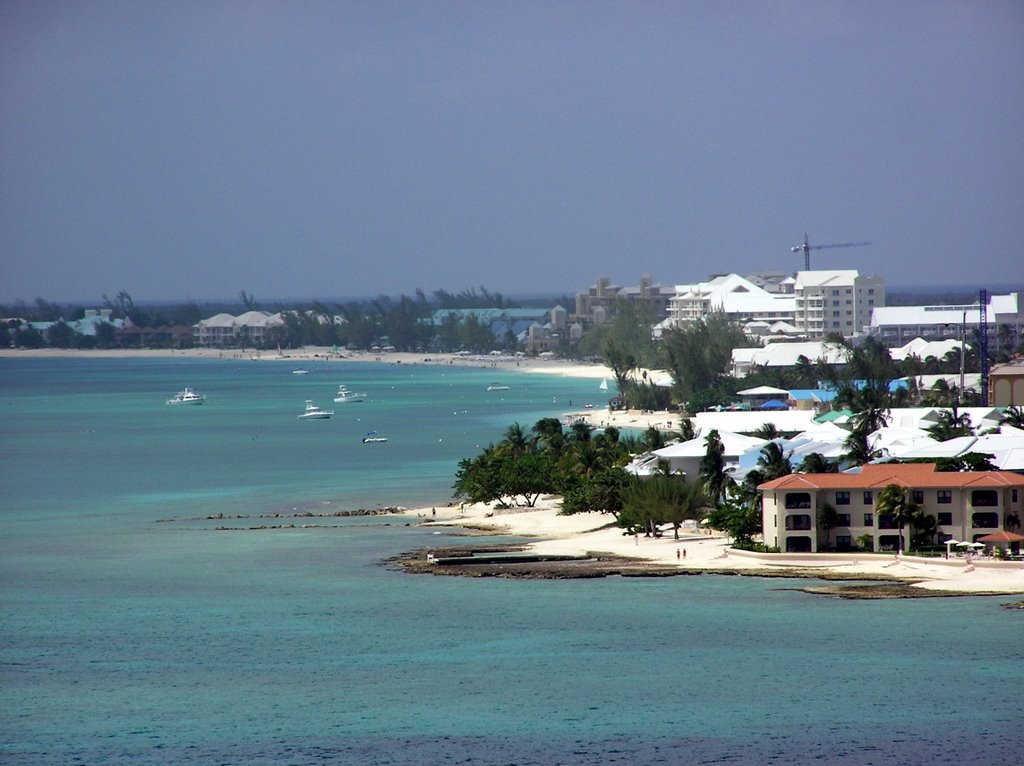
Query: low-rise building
x=896, y=325
x=737, y=297
x=225, y=330
x=966, y=505
x=1006, y=385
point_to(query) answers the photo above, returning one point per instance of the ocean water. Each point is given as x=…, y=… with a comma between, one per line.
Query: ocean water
x=135, y=629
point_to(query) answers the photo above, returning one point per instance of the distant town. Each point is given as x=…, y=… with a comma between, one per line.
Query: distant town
x=777, y=320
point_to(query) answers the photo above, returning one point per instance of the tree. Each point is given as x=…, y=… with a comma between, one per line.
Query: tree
x=698, y=354
x=712, y=468
x=951, y=425
x=894, y=502
x=737, y=516
x=621, y=363
x=828, y=519
x=772, y=462
x=815, y=462
x=1014, y=416
x=659, y=500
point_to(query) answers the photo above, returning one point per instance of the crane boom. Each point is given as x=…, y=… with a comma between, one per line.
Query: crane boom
x=806, y=248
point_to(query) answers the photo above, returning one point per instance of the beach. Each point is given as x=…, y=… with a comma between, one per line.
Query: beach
x=709, y=551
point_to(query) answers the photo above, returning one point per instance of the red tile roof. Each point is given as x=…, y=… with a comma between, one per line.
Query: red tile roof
x=878, y=475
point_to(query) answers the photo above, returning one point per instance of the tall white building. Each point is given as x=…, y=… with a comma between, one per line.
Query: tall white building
x=836, y=301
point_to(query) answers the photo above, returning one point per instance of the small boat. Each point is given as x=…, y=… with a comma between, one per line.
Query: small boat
x=300, y=372
x=497, y=387
x=372, y=437
x=344, y=395
x=604, y=385
x=315, y=413
x=187, y=396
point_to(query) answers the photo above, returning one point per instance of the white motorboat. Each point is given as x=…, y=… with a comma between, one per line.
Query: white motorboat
x=315, y=413
x=187, y=396
x=497, y=387
x=344, y=395
x=373, y=437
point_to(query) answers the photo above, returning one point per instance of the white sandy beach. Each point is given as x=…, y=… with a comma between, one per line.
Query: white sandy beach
x=589, y=532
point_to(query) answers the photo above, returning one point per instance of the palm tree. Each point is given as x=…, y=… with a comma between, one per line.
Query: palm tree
x=828, y=519
x=515, y=442
x=686, y=432
x=767, y=431
x=548, y=433
x=817, y=463
x=893, y=501
x=1014, y=416
x=712, y=468
x=773, y=462
x=858, y=451
x=950, y=425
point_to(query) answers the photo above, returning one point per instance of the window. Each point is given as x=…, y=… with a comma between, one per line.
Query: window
x=842, y=519
x=842, y=498
x=984, y=497
x=869, y=497
x=798, y=500
x=887, y=521
x=985, y=520
x=843, y=542
x=945, y=518
x=945, y=496
x=869, y=519
x=1014, y=498
x=798, y=521
x=917, y=496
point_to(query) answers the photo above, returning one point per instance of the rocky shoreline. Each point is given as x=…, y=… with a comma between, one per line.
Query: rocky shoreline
x=517, y=562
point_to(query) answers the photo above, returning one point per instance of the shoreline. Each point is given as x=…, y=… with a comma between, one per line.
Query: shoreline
x=589, y=545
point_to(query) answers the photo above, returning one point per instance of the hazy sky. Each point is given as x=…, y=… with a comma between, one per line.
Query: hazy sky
x=320, y=149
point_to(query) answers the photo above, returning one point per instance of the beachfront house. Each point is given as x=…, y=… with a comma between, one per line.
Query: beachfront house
x=966, y=505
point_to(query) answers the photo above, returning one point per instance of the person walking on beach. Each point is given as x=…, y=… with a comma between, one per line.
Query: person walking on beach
x=677, y=554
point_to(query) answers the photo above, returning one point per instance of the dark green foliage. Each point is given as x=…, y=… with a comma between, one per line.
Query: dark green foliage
x=698, y=354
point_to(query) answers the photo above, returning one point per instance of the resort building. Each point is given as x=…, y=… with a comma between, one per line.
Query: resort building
x=896, y=325
x=744, y=360
x=597, y=304
x=966, y=505
x=740, y=299
x=225, y=330
x=839, y=301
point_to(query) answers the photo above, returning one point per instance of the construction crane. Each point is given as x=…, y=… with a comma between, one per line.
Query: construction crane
x=806, y=248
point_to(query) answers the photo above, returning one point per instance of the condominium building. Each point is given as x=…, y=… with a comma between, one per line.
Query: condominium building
x=966, y=505
x=839, y=301
x=737, y=297
x=225, y=330
x=597, y=304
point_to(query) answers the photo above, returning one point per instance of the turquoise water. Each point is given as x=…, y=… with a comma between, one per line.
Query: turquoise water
x=135, y=631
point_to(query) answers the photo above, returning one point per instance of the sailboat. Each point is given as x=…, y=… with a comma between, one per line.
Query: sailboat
x=604, y=385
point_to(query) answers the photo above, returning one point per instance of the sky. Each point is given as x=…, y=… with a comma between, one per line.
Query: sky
x=191, y=150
